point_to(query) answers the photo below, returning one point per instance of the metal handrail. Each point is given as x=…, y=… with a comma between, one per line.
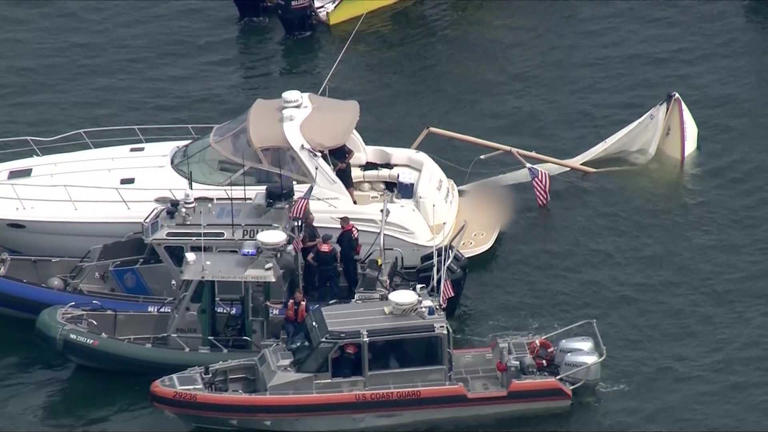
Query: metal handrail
x=122, y=200
x=93, y=142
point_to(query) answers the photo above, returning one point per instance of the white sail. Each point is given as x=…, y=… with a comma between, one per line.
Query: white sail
x=668, y=127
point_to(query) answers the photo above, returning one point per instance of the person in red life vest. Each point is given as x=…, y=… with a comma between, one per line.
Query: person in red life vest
x=326, y=258
x=295, y=315
x=348, y=363
x=349, y=247
x=309, y=241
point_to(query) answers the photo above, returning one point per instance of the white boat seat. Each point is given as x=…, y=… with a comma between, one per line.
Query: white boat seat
x=382, y=175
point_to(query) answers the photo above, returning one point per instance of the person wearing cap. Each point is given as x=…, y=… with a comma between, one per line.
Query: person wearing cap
x=326, y=259
x=349, y=247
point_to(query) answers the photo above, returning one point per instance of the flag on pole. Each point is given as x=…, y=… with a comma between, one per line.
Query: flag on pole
x=301, y=205
x=446, y=292
x=297, y=244
x=540, y=180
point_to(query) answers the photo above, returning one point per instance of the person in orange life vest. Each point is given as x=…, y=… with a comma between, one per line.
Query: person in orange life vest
x=340, y=158
x=295, y=315
x=309, y=242
x=326, y=258
x=349, y=247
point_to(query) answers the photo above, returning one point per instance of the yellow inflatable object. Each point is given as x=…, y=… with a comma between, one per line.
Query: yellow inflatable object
x=348, y=9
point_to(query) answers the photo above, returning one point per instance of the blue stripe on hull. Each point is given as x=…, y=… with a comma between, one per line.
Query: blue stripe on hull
x=30, y=299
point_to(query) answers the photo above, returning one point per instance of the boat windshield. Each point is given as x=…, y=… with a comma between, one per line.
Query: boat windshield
x=226, y=158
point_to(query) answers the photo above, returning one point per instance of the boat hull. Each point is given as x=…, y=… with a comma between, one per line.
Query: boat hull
x=103, y=352
x=393, y=409
x=60, y=238
x=27, y=300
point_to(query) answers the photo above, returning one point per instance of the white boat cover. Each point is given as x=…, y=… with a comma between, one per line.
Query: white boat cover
x=330, y=123
x=668, y=127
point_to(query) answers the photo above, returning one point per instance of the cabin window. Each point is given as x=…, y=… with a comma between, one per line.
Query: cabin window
x=197, y=295
x=347, y=361
x=175, y=253
x=229, y=288
x=405, y=353
x=195, y=248
x=151, y=257
x=232, y=251
x=19, y=173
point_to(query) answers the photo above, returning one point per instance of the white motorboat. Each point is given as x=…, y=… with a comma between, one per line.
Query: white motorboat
x=61, y=204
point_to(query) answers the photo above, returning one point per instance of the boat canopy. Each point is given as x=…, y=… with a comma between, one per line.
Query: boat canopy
x=256, y=143
x=331, y=122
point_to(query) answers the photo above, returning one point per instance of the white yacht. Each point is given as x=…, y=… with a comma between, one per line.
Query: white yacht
x=61, y=204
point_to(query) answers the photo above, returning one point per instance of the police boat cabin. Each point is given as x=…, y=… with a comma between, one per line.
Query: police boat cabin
x=142, y=272
x=384, y=364
x=228, y=308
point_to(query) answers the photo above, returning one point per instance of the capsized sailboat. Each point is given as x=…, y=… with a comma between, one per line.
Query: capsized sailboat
x=668, y=128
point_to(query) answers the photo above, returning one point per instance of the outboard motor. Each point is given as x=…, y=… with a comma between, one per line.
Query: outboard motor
x=297, y=17
x=573, y=353
x=253, y=10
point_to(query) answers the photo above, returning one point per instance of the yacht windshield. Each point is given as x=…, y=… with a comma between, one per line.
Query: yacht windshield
x=226, y=158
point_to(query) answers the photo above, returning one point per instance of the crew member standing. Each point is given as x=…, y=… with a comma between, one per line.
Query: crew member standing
x=349, y=245
x=340, y=157
x=326, y=258
x=309, y=242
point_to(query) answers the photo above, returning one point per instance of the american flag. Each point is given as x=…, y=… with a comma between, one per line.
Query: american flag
x=297, y=244
x=301, y=205
x=446, y=292
x=540, y=180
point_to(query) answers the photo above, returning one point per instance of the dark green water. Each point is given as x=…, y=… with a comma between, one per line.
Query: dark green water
x=670, y=262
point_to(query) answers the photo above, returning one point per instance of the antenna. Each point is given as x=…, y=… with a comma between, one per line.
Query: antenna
x=232, y=206
x=245, y=197
x=325, y=83
x=280, y=171
x=202, y=236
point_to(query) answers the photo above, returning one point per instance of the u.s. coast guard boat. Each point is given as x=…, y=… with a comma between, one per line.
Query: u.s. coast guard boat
x=383, y=364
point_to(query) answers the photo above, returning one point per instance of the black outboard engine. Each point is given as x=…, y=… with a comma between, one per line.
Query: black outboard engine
x=254, y=10
x=297, y=17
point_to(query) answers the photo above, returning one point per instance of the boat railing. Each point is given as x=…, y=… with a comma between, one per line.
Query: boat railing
x=220, y=342
x=587, y=323
x=603, y=353
x=93, y=138
x=119, y=196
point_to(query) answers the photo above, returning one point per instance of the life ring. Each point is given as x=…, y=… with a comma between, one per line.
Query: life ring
x=543, y=352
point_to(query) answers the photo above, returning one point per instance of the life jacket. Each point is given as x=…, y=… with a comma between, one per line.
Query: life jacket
x=325, y=256
x=290, y=311
x=355, y=235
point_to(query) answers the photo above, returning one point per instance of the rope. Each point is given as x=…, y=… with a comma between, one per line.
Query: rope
x=340, y=55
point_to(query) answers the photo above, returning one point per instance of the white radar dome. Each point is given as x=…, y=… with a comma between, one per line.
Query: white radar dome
x=272, y=238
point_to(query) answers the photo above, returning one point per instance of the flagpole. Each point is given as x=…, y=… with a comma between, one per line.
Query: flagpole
x=520, y=158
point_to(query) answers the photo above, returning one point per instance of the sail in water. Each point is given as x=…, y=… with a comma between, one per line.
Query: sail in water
x=668, y=128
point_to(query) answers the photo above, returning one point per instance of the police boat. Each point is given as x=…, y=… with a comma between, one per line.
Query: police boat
x=143, y=271
x=383, y=364
x=228, y=308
